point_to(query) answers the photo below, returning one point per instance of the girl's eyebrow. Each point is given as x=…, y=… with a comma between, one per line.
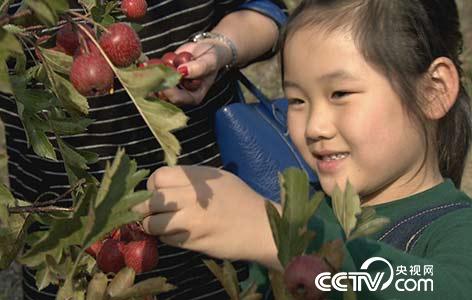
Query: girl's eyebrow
x=332, y=76
x=338, y=75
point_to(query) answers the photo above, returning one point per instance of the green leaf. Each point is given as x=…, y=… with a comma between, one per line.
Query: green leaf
x=12, y=231
x=37, y=138
x=250, y=293
x=48, y=11
x=43, y=12
x=97, y=13
x=9, y=46
x=3, y=156
x=347, y=207
x=123, y=280
x=72, y=157
x=152, y=286
x=62, y=234
x=44, y=277
x=70, y=98
x=59, y=6
x=58, y=61
x=163, y=117
x=215, y=269
x=227, y=277
x=278, y=287
x=9, y=43
x=116, y=197
x=6, y=200
x=137, y=27
x=68, y=126
x=88, y=3
x=275, y=221
x=142, y=81
x=293, y=236
x=5, y=85
x=370, y=227
x=4, y=5
x=97, y=287
x=230, y=280
x=11, y=28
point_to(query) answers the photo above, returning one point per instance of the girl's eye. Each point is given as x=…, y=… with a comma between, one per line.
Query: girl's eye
x=295, y=101
x=339, y=94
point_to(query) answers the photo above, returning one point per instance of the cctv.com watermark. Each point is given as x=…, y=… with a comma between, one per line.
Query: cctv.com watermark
x=404, y=279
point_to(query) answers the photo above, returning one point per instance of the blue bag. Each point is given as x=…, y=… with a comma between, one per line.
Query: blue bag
x=254, y=142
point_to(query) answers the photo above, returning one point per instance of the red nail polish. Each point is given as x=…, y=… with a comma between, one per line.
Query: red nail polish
x=183, y=70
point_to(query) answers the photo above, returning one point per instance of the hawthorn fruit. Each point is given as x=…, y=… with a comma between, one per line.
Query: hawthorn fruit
x=91, y=75
x=68, y=38
x=110, y=258
x=141, y=255
x=134, y=9
x=121, y=44
x=300, y=274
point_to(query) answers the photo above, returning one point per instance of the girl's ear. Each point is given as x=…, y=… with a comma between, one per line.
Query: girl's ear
x=442, y=88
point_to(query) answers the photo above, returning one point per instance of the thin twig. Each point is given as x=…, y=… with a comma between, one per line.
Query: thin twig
x=76, y=14
x=35, y=209
x=55, y=200
x=7, y=19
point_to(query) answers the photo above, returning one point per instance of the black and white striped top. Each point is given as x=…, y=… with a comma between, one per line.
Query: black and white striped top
x=168, y=24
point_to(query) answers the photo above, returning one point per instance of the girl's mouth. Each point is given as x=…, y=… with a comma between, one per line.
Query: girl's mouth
x=330, y=163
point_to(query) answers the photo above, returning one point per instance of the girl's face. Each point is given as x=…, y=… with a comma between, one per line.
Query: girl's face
x=348, y=123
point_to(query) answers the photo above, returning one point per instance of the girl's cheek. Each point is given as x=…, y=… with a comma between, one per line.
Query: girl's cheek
x=296, y=129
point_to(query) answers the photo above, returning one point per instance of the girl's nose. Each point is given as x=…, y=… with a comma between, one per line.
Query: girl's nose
x=320, y=125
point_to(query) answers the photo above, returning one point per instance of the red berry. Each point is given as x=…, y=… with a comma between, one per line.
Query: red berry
x=110, y=258
x=91, y=75
x=121, y=44
x=182, y=57
x=67, y=38
x=191, y=84
x=168, y=59
x=300, y=274
x=134, y=9
x=94, y=249
x=88, y=47
x=141, y=255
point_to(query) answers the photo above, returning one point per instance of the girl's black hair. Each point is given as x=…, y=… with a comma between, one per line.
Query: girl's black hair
x=402, y=38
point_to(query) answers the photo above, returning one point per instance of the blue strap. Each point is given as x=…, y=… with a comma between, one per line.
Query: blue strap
x=267, y=8
x=405, y=233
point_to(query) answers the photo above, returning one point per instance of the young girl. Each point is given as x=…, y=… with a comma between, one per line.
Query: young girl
x=375, y=98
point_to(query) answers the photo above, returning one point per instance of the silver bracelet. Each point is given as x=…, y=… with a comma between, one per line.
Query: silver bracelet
x=219, y=37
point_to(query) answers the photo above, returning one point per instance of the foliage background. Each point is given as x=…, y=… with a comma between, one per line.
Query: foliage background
x=266, y=76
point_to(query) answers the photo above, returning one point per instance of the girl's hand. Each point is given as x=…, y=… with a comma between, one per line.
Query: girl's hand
x=209, y=57
x=208, y=210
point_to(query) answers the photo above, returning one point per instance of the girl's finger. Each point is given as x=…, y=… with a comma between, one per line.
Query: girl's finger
x=177, y=239
x=166, y=200
x=167, y=177
x=164, y=223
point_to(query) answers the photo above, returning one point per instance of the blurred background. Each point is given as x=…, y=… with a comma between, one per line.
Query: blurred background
x=266, y=75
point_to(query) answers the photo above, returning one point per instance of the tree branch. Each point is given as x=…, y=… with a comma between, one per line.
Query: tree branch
x=36, y=209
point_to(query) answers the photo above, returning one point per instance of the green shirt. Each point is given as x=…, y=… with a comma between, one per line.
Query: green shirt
x=446, y=244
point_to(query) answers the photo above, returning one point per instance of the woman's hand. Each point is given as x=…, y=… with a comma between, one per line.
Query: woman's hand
x=209, y=57
x=208, y=210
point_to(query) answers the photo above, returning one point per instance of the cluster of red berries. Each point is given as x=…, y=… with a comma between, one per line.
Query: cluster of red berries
x=127, y=246
x=174, y=60
x=300, y=274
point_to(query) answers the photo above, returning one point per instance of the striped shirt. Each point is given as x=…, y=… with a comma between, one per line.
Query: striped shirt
x=167, y=25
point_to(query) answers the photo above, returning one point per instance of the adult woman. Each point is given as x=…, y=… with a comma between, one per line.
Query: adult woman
x=250, y=32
